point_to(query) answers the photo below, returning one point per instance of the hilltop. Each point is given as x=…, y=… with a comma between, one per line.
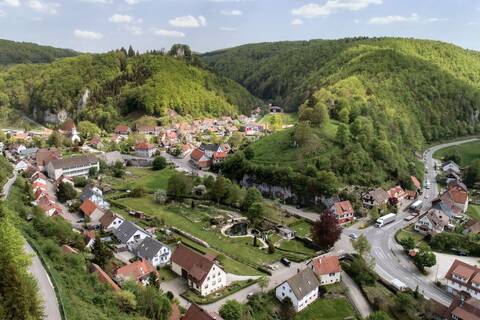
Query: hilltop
x=365, y=105
x=12, y=52
x=104, y=88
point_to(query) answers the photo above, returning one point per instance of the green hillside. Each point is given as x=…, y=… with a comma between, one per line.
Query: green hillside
x=387, y=97
x=118, y=85
x=12, y=52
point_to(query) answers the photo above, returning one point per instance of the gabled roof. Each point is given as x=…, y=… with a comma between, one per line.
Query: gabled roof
x=44, y=156
x=343, y=207
x=126, y=230
x=104, y=277
x=197, y=313
x=149, y=248
x=210, y=147
x=415, y=182
x=197, y=265
x=136, y=270
x=68, y=125
x=144, y=146
x=74, y=162
x=197, y=154
x=108, y=218
x=122, y=128
x=303, y=283
x=88, y=207
x=379, y=195
x=470, y=273
x=326, y=265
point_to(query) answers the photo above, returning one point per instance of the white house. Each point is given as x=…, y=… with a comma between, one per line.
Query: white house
x=201, y=272
x=154, y=251
x=285, y=232
x=432, y=222
x=302, y=289
x=129, y=233
x=96, y=196
x=111, y=221
x=451, y=166
x=463, y=277
x=21, y=165
x=72, y=167
x=327, y=269
x=145, y=150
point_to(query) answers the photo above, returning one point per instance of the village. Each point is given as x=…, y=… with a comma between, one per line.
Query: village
x=202, y=253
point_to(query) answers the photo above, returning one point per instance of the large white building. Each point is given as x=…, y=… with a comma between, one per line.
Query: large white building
x=302, y=289
x=72, y=167
x=154, y=251
x=463, y=278
x=201, y=272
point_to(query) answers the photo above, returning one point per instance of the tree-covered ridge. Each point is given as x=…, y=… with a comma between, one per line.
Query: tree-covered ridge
x=12, y=52
x=120, y=83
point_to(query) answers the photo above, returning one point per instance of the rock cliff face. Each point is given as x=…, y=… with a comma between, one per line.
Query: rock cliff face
x=83, y=100
x=55, y=117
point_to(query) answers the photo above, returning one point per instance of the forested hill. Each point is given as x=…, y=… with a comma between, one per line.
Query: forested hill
x=104, y=88
x=365, y=105
x=12, y=52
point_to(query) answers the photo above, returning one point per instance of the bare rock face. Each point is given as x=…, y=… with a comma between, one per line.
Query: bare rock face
x=55, y=117
x=82, y=103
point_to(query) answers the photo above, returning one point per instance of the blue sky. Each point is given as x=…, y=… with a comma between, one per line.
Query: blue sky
x=101, y=25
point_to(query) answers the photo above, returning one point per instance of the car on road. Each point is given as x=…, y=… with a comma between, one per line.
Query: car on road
x=81, y=221
x=353, y=236
x=250, y=295
x=285, y=262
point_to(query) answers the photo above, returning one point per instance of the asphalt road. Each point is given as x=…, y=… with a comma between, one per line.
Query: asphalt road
x=391, y=261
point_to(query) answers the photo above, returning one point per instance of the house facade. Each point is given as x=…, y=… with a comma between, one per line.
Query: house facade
x=153, y=251
x=327, y=269
x=72, y=167
x=302, y=289
x=111, y=221
x=432, y=222
x=202, y=272
x=145, y=150
x=129, y=233
x=91, y=210
x=344, y=212
x=463, y=278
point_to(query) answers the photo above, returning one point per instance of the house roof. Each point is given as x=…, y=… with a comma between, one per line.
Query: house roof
x=74, y=162
x=44, y=156
x=197, y=313
x=195, y=264
x=95, y=140
x=126, y=230
x=108, y=218
x=149, y=248
x=210, y=147
x=122, y=128
x=411, y=193
x=144, y=146
x=89, y=235
x=438, y=218
x=473, y=226
x=220, y=155
x=136, y=270
x=197, y=154
x=67, y=249
x=468, y=309
x=415, y=182
x=326, y=265
x=88, y=207
x=343, y=207
x=465, y=271
x=379, y=195
x=104, y=277
x=303, y=283
x=68, y=125
x=395, y=192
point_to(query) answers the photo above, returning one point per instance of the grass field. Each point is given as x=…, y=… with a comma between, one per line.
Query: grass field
x=296, y=246
x=151, y=180
x=287, y=118
x=196, y=222
x=303, y=228
x=408, y=231
x=474, y=211
x=468, y=151
x=327, y=309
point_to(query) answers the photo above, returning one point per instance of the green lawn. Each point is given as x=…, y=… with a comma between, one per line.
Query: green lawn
x=196, y=222
x=302, y=227
x=296, y=246
x=287, y=118
x=275, y=149
x=474, y=211
x=166, y=274
x=409, y=231
x=151, y=180
x=327, y=309
x=468, y=151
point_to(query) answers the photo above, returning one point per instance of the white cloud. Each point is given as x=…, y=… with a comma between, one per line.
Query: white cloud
x=413, y=18
x=188, y=22
x=132, y=2
x=135, y=30
x=231, y=12
x=313, y=10
x=120, y=18
x=98, y=1
x=228, y=29
x=296, y=22
x=85, y=34
x=2, y=14
x=168, y=33
x=44, y=7
x=10, y=3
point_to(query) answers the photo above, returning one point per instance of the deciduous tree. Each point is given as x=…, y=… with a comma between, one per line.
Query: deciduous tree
x=326, y=230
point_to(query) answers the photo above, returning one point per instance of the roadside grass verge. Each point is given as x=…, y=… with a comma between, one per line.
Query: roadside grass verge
x=327, y=309
x=474, y=211
x=219, y=295
x=469, y=152
x=150, y=179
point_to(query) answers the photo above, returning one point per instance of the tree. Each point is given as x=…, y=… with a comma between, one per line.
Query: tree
x=160, y=196
x=235, y=140
x=374, y=214
x=263, y=282
x=66, y=192
x=101, y=253
x=55, y=139
x=231, y=310
x=326, y=230
x=425, y=259
x=252, y=196
x=153, y=304
x=179, y=186
x=126, y=300
x=88, y=129
x=408, y=243
x=249, y=153
x=92, y=172
x=118, y=169
x=472, y=174
x=80, y=182
x=137, y=192
x=362, y=246
x=287, y=311
x=219, y=189
x=378, y=315
x=131, y=52
x=159, y=163
x=256, y=212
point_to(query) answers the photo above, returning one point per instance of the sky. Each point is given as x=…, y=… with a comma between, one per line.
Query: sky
x=206, y=25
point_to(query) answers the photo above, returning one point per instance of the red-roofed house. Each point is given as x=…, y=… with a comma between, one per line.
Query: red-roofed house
x=344, y=212
x=49, y=207
x=139, y=271
x=202, y=273
x=327, y=269
x=145, y=149
x=197, y=313
x=122, y=129
x=90, y=210
x=456, y=197
x=416, y=183
x=219, y=157
x=104, y=277
x=396, y=193
x=44, y=156
x=96, y=142
x=463, y=278
x=200, y=160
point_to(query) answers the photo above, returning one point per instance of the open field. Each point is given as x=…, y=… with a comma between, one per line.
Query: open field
x=468, y=152
x=302, y=228
x=197, y=222
x=408, y=231
x=327, y=309
x=286, y=118
x=296, y=246
x=151, y=180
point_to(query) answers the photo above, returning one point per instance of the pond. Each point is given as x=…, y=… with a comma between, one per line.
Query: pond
x=238, y=229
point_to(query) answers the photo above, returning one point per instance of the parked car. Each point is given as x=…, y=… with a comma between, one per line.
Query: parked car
x=285, y=262
x=353, y=236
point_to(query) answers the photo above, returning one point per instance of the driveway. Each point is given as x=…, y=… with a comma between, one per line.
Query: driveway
x=356, y=296
x=177, y=286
